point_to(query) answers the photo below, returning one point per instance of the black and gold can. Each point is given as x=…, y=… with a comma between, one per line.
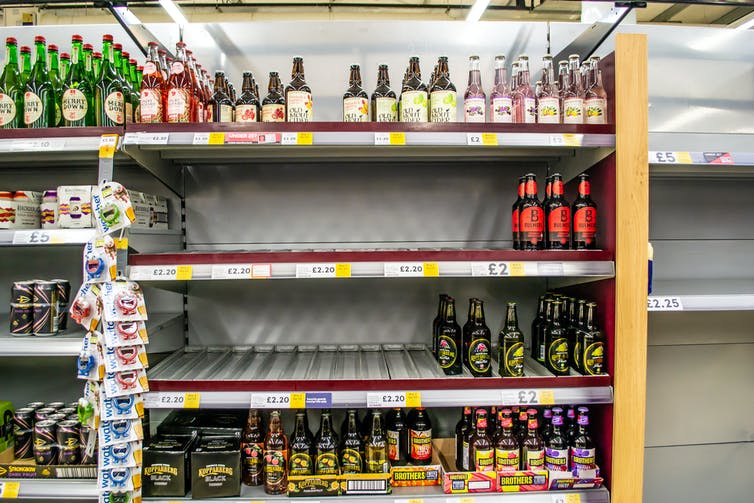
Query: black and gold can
x=23, y=431
x=45, y=443
x=69, y=442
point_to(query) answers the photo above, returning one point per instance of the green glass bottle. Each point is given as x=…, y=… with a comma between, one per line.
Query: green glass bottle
x=135, y=90
x=53, y=69
x=108, y=93
x=65, y=65
x=39, y=99
x=96, y=66
x=25, y=64
x=11, y=89
x=128, y=88
x=88, y=64
x=77, y=103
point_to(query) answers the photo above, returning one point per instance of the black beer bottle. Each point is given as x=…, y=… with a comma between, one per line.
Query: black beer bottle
x=584, y=217
x=510, y=354
x=540, y=318
x=477, y=342
x=523, y=419
x=583, y=449
x=352, y=447
x=436, y=322
x=556, y=343
x=461, y=427
x=344, y=423
x=300, y=461
x=515, y=213
x=575, y=336
x=450, y=341
x=419, y=437
x=542, y=332
x=252, y=450
x=375, y=447
x=327, y=447
x=531, y=217
x=592, y=356
x=558, y=215
x=397, y=437
x=545, y=429
x=571, y=425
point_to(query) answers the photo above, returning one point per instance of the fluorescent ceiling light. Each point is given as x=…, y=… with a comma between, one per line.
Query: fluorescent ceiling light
x=172, y=9
x=477, y=10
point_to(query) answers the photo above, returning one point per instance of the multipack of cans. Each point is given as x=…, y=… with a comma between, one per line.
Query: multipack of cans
x=39, y=307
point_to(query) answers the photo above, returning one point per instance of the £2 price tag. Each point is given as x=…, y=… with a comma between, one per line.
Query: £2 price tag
x=494, y=269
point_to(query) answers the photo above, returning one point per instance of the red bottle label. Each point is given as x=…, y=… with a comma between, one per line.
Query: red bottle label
x=585, y=224
x=585, y=188
x=557, y=187
x=420, y=444
x=532, y=224
x=514, y=222
x=559, y=224
x=531, y=187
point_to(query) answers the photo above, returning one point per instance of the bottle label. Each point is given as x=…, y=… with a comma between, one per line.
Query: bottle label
x=514, y=360
x=137, y=113
x=447, y=352
x=594, y=358
x=393, y=445
x=274, y=468
x=506, y=460
x=473, y=110
x=479, y=355
x=129, y=112
x=596, y=112
x=300, y=464
x=376, y=459
x=414, y=106
x=514, y=223
x=7, y=109
x=556, y=459
x=559, y=224
x=386, y=109
x=585, y=224
x=253, y=456
x=246, y=113
x=273, y=113
x=74, y=104
x=465, y=458
x=114, y=108
x=327, y=464
x=583, y=459
x=176, y=68
x=530, y=111
x=355, y=110
x=420, y=444
x=226, y=113
x=442, y=106
x=33, y=107
x=299, y=105
x=151, y=106
x=548, y=111
x=573, y=111
x=532, y=224
x=179, y=105
x=557, y=354
x=484, y=460
x=501, y=109
x=541, y=351
x=535, y=460
x=149, y=68
x=350, y=461
x=577, y=355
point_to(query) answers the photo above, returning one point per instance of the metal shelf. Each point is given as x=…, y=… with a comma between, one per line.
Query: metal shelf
x=58, y=489
x=706, y=155
x=699, y=295
x=44, y=237
x=51, y=146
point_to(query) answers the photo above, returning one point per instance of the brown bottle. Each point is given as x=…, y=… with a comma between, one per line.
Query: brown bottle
x=247, y=105
x=273, y=105
x=220, y=105
x=533, y=448
x=481, y=450
x=276, y=457
x=507, y=448
x=436, y=322
x=419, y=437
x=531, y=217
x=298, y=95
x=355, y=99
x=558, y=213
x=384, y=101
x=461, y=428
x=252, y=450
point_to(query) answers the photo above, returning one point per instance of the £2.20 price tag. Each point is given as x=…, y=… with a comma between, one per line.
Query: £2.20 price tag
x=232, y=271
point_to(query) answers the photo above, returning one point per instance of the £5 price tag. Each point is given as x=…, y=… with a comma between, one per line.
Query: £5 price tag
x=38, y=238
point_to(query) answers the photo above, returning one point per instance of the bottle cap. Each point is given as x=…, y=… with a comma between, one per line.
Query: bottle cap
x=25, y=48
x=557, y=420
x=88, y=47
x=107, y=38
x=65, y=55
x=131, y=61
x=11, y=40
x=118, y=47
x=126, y=54
x=96, y=54
x=52, y=48
x=39, y=40
x=153, y=44
x=77, y=38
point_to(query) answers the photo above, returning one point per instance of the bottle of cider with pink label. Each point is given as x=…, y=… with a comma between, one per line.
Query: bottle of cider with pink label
x=474, y=102
x=595, y=99
x=501, y=105
x=524, y=101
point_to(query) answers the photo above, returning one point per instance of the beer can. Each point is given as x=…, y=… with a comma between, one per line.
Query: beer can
x=22, y=292
x=55, y=405
x=73, y=417
x=72, y=405
x=45, y=443
x=35, y=405
x=69, y=443
x=45, y=292
x=57, y=417
x=43, y=413
x=86, y=459
x=64, y=294
x=21, y=319
x=68, y=411
x=45, y=320
x=23, y=431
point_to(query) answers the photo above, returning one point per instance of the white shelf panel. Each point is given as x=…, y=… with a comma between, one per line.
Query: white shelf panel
x=44, y=237
x=59, y=490
x=732, y=302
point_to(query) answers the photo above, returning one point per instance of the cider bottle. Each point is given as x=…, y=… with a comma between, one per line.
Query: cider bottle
x=558, y=213
x=595, y=98
x=474, y=99
x=531, y=217
x=220, y=105
x=535, y=326
x=477, y=342
x=53, y=69
x=39, y=98
x=436, y=322
x=442, y=95
x=273, y=105
x=128, y=88
x=247, y=105
x=108, y=92
x=375, y=447
x=548, y=97
x=573, y=93
x=384, y=102
x=450, y=341
x=152, y=92
x=501, y=104
x=532, y=448
x=507, y=447
x=11, y=89
x=461, y=428
x=352, y=446
x=179, y=95
x=481, y=450
x=252, y=450
x=301, y=444
x=583, y=450
x=419, y=437
x=515, y=219
x=592, y=356
x=77, y=103
x=511, y=346
x=556, y=447
x=584, y=214
x=326, y=462
x=397, y=437
x=275, y=457
x=88, y=59
x=524, y=101
x=355, y=99
x=414, y=102
x=25, y=64
x=556, y=343
x=298, y=95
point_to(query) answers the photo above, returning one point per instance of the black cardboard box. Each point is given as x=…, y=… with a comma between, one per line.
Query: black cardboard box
x=166, y=465
x=216, y=467
x=204, y=422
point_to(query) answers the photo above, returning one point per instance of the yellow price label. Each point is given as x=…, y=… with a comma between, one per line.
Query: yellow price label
x=572, y=140
x=305, y=138
x=546, y=397
x=397, y=138
x=466, y=500
x=431, y=269
x=413, y=399
x=184, y=272
x=572, y=498
x=9, y=490
x=298, y=400
x=191, y=400
x=216, y=139
x=56, y=239
x=342, y=270
x=121, y=243
x=107, y=145
x=489, y=139
x=516, y=268
x=683, y=157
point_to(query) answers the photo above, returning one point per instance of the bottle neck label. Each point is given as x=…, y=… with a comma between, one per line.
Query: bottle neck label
x=501, y=109
x=473, y=110
x=573, y=110
x=7, y=109
x=507, y=460
x=386, y=109
x=299, y=106
x=414, y=106
x=246, y=113
x=273, y=113
x=355, y=110
x=596, y=111
x=442, y=106
x=151, y=106
x=548, y=110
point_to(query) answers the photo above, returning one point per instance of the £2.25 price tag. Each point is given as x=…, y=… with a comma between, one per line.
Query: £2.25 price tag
x=664, y=303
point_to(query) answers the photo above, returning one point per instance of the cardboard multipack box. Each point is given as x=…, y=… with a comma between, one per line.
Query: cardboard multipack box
x=313, y=485
x=365, y=484
x=151, y=211
x=577, y=479
x=216, y=467
x=420, y=475
x=75, y=207
x=28, y=469
x=204, y=422
x=167, y=467
x=522, y=481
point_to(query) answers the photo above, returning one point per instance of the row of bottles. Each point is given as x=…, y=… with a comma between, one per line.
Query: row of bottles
x=371, y=446
x=553, y=223
x=509, y=439
x=88, y=89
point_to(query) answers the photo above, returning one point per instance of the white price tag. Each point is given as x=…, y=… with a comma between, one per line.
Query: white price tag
x=280, y=400
x=154, y=138
x=494, y=269
x=261, y=271
x=528, y=397
x=162, y=273
x=567, y=498
x=474, y=139
x=315, y=271
x=267, y=138
x=201, y=139
x=132, y=139
x=37, y=237
x=167, y=272
x=664, y=303
x=386, y=399
x=172, y=400
x=40, y=145
x=232, y=271
x=289, y=139
x=382, y=138
x=404, y=269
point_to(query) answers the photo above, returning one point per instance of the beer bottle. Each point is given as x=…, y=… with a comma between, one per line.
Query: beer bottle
x=556, y=447
x=355, y=99
x=118, y=64
x=558, y=411
x=501, y=105
x=542, y=332
x=300, y=462
x=558, y=213
x=39, y=99
x=584, y=213
x=53, y=69
x=252, y=450
x=352, y=446
x=524, y=100
x=575, y=335
x=77, y=103
x=375, y=447
x=545, y=429
x=108, y=93
x=563, y=80
x=481, y=450
x=583, y=449
x=273, y=105
x=595, y=97
x=546, y=200
x=247, y=105
x=327, y=448
x=11, y=89
x=397, y=437
x=298, y=95
x=592, y=356
x=571, y=425
x=467, y=462
x=419, y=437
x=556, y=343
x=515, y=213
x=275, y=457
x=462, y=426
x=477, y=342
x=511, y=346
x=384, y=102
x=507, y=446
x=548, y=98
x=436, y=322
x=531, y=217
x=152, y=88
x=492, y=422
x=135, y=89
x=532, y=448
x=88, y=59
x=450, y=341
x=25, y=64
x=179, y=89
x=535, y=324
x=220, y=105
x=523, y=419
x=200, y=100
x=573, y=94
x=414, y=100
x=442, y=95
x=474, y=99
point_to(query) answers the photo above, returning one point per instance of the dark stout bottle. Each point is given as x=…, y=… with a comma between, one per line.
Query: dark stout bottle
x=450, y=341
x=584, y=212
x=531, y=217
x=461, y=427
x=592, y=356
x=352, y=446
x=436, y=322
x=515, y=220
x=556, y=343
x=558, y=217
x=275, y=457
x=533, y=449
x=300, y=462
x=477, y=342
x=355, y=99
x=556, y=447
x=575, y=334
x=481, y=450
x=375, y=447
x=511, y=346
x=535, y=325
x=298, y=95
x=419, y=437
x=327, y=448
x=542, y=333
x=384, y=101
x=273, y=105
x=507, y=447
x=247, y=105
x=397, y=437
x=252, y=450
